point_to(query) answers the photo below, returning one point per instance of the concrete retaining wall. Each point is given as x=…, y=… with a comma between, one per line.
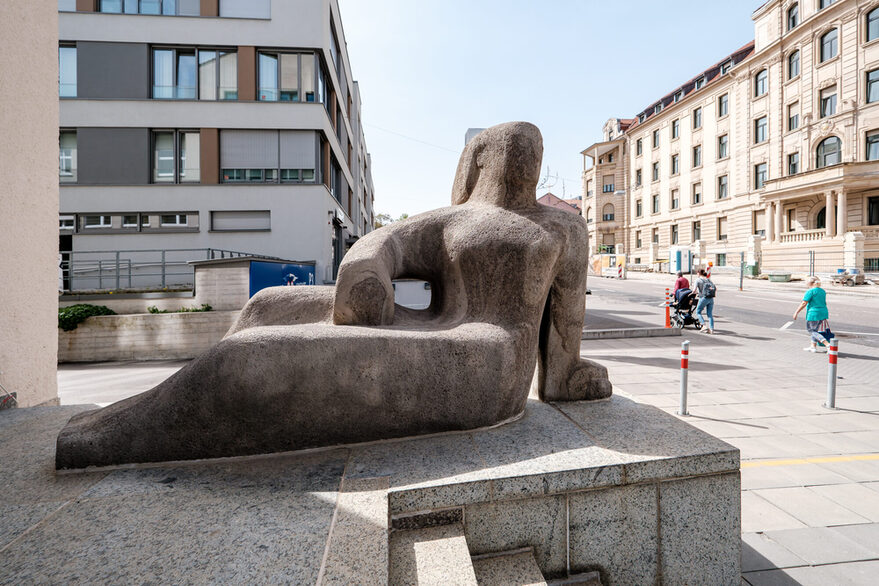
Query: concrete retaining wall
x=169, y=336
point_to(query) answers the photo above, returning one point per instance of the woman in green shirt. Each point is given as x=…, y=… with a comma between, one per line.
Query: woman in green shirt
x=816, y=314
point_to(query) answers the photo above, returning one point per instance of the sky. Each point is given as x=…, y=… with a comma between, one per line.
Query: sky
x=430, y=69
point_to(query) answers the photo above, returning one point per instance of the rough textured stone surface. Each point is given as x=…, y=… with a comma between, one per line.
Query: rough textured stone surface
x=616, y=531
x=700, y=530
x=434, y=556
x=503, y=570
x=508, y=284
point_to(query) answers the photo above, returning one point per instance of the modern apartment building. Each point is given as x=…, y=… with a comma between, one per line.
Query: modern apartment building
x=210, y=124
x=772, y=150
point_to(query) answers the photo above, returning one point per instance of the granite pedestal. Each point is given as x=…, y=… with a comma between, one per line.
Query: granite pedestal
x=613, y=486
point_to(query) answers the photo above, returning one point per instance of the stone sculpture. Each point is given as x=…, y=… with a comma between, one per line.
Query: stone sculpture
x=316, y=366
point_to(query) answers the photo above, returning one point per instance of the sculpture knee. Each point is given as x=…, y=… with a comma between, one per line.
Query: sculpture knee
x=284, y=306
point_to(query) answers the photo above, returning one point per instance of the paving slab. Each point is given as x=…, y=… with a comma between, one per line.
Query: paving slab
x=505, y=570
x=789, y=475
x=432, y=556
x=821, y=545
x=759, y=514
x=854, y=497
x=810, y=507
x=759, y=552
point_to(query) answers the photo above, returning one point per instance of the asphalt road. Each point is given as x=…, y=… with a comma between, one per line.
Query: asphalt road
x=855, y=318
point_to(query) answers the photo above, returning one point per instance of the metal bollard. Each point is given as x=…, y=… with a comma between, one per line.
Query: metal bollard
x=685, y=369
x=832, y=357
x=667, y=308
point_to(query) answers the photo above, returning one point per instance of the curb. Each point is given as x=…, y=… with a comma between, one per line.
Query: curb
x=629, y=333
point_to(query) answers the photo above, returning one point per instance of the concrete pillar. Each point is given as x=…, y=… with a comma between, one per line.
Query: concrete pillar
x=779, y=220
x=770, y=223
x=841, y=213
x=853, y=250
x=829, y=215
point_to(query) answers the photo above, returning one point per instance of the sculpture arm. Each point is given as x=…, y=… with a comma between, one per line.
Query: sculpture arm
x=562, y=374
x=364, y=292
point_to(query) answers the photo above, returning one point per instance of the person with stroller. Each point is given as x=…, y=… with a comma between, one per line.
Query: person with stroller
x=681, y=282
x=705, y=290
x=817, y=323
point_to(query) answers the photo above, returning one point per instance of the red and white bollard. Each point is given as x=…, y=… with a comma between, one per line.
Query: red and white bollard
x=709, y=269
x=685, y=369
x=832, y=358
x=667, y=308
x=620, y=271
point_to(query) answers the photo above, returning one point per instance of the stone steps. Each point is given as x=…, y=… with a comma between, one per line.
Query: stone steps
x=431, y=556
x=514, y=568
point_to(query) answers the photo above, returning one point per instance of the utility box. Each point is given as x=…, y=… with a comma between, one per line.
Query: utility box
x=680, y=258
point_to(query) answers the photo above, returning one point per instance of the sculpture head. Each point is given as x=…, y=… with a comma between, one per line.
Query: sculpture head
x=500, y=166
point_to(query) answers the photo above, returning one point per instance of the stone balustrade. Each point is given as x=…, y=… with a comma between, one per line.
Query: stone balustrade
x=803, y=236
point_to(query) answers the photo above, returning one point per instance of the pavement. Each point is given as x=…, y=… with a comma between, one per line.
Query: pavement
x=810, y=475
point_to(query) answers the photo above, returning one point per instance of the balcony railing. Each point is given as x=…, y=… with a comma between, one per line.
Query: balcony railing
x=803, y=236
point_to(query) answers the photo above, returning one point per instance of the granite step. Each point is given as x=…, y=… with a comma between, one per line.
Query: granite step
x=431, y=556
x=514, y=568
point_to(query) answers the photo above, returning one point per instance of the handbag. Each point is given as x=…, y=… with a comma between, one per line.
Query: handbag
x=824, y=329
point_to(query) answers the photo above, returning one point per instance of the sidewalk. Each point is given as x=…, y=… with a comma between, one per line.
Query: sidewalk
x=810, y=476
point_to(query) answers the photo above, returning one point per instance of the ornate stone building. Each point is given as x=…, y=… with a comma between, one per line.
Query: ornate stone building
x=774, y=149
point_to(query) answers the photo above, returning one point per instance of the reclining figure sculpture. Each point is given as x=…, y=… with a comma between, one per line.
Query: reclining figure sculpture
x=319, y=366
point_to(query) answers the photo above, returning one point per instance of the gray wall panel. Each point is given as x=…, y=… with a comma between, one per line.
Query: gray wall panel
x=112, y=70
x=113, y=156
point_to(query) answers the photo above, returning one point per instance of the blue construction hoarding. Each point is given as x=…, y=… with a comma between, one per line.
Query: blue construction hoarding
x=278, y=274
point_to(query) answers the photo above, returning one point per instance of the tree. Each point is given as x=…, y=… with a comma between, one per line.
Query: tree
x=385, y=219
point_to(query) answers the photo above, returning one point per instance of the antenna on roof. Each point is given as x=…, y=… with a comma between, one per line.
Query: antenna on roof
x=549, y=180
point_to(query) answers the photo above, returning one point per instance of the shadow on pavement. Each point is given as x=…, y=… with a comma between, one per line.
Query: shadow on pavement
x=669, y=363
x=742, y=423
x=757, y=569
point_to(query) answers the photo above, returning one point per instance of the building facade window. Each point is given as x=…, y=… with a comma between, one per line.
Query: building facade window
x=655, y=171
x=873, y=85
x=656, y=138
x=761, y=83
x=829, y=152
x=675, y=128
x=793, y=17
x=697, y=155
x=269, y=156
x=700, y=83
x=697, y=193
x=697, y=230
x=760, y=175
x=873, y=24
x=722, y=229
x=723, y=146
x=639, y=147
x=793, y=163
x=217, y=75
x=723, y=187
x=873, y=211
x=673, y=233
x=639, y=208
x=828, y=102
x=675, y=164
x=638, y=243
x=96, y=221
x=654, y=236
x=723, y=105
x=697, y=118
x=793, y=116
x=655, y=203
x=675, y=199
x=67, y=156
x=176, y=156
x=174, y=74
x=758, y=222
x=793, y=65
x=725, y=67
x=67, y=72
x=607, y=184
x=162, y=7
x=873, y=146
x=607, y=213
x=760, y=129
x=289, y=77
x=173, y=220
x=638, y=178
x=829, y=45
x=822, y=4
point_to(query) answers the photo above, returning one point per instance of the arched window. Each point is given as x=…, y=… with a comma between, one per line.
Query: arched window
x=607, y=212
x=873, y=24
x=793, y=16
x=821, y=219
x=829, y=45
x=793, y=65
x=829, y=152
x=761, y=83
x=588, y=215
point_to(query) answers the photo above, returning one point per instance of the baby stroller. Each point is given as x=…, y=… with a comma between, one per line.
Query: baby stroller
x=683, y=305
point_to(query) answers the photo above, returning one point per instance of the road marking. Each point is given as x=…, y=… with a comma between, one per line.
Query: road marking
x=800, y=461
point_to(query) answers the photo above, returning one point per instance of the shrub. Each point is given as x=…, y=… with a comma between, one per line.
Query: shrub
x=204, y=307
x=70, y=317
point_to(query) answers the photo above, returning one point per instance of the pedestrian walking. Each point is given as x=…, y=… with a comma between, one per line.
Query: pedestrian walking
x=705, y=290
x=681, y=282
x=817, y=315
